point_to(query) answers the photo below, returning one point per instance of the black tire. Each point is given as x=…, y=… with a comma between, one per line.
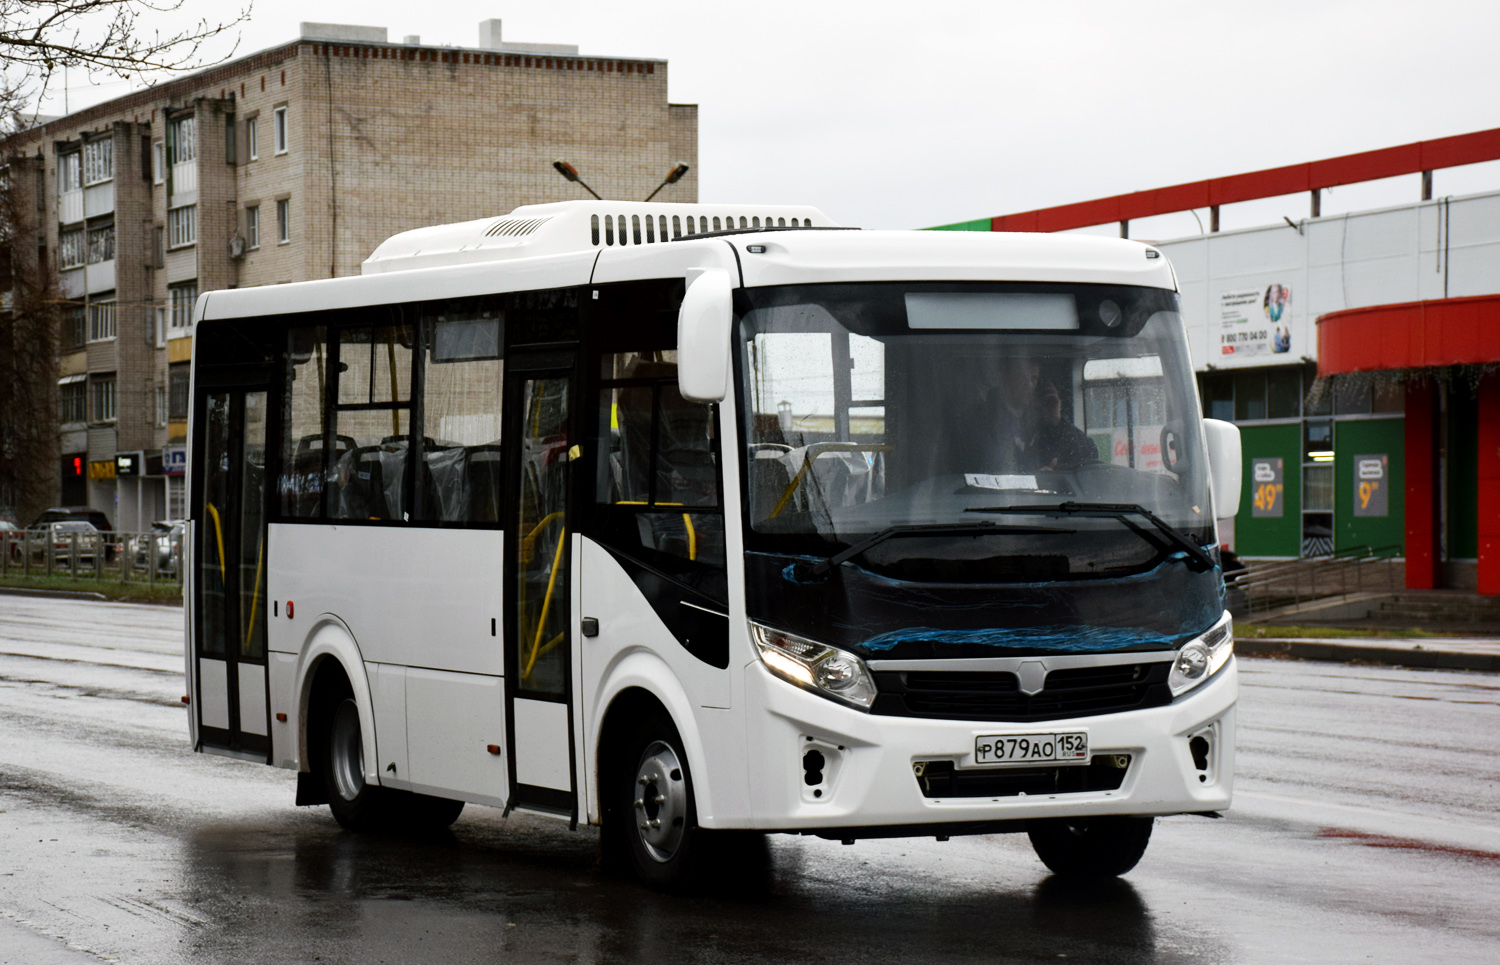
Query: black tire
x=655, y=833
x=355, y=805
x=422, y=812
x=1097, y=847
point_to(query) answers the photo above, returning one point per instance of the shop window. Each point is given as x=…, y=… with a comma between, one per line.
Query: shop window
x=1249, y=396
x=1284, y=393
x=1218, y=395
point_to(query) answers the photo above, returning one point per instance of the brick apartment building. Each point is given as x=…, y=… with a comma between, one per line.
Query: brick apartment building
x=288, y=165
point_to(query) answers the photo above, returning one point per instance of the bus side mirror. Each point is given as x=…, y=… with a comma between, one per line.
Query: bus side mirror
x=704, y=325
x=1225, y=465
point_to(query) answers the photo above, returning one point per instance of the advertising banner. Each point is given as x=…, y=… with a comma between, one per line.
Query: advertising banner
x=1267, y=490
x=1254, y=327
x=1371, y=487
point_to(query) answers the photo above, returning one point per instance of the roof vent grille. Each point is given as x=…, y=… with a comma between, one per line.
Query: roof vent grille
x=514, y=227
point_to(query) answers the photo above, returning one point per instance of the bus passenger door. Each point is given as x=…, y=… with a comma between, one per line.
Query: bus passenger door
x=229, y=578
x=539, y=660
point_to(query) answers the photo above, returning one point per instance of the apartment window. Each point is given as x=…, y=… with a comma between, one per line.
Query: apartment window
x=161, y=407
x=103, y=398
x=176, y=497
x=102, y=321
x=177, y=392
x=252, y=226
x=158, y=162
x=283, y=221
x=98, y=160
x=161, y=328
x=251, y=125
x=101, y=244
x=75, y=326
x=69, y=172
x=183, y=297
x=70, y=249
x=278, y=129
x=182, y=226
x=72, y=400
x=181, y=139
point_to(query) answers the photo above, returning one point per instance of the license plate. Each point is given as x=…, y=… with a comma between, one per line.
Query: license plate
x=1071, y=748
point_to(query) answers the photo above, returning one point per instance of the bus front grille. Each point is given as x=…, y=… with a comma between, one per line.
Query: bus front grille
x=989, y=695
x=940, y=779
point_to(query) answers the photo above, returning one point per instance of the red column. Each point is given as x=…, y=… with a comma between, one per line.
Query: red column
x=1423, y=558
x=1489, y=486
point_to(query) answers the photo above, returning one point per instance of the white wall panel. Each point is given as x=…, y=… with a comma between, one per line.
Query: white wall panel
x=1403, y=254
x=451, y=720
x=417, y=597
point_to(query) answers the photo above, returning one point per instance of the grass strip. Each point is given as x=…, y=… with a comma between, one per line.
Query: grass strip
x=110, y=589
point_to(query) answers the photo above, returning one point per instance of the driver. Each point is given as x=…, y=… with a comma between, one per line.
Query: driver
x=1056, y=443
x=1009, y=416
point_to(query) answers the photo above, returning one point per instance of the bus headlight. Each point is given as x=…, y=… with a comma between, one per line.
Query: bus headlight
x=1201, y=658
x=824, y=670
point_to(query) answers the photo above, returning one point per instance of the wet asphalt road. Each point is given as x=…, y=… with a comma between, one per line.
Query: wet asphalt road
x=1365, y=830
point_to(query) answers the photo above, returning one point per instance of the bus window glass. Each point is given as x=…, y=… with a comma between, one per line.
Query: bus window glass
x=213, y=560
x=879, y=405
x=375, y=364
x=301, y=482
x=662, y=465
x=461, y=393
x=542, y=587
x=368, y=481
x=252, y=562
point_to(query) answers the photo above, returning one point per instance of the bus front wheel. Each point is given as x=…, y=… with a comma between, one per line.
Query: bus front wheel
x=654, y=806
x=1095, y=847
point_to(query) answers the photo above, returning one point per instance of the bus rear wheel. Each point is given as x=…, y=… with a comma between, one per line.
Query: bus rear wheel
x=355, y=805
x=1095, y=847
x=654, y=808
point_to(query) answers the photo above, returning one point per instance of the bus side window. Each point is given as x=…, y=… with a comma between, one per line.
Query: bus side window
x=373, y=410
x=300, y=486
x=461, y=392
x=661, y=462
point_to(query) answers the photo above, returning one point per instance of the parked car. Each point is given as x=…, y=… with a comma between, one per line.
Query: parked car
x=57, y=540
x=87, y=514
x=10, y=539
x=163, y=545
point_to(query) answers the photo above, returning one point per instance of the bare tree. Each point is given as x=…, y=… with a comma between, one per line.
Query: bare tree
x=120, y=38
x=125, y=39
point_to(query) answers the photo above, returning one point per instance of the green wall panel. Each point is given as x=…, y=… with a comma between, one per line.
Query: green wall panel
x=1367, y=437
x=1271, y=536
x=983, y=224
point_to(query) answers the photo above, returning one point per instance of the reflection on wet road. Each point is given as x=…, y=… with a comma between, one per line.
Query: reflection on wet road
x=1364, y=830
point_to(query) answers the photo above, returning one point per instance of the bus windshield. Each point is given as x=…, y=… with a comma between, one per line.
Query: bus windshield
x=941, y=407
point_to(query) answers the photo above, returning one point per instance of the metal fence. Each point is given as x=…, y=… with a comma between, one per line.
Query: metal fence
x=1357, y=569
x=150, y=557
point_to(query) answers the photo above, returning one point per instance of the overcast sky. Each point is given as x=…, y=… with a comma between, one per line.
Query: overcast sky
x=888, y=114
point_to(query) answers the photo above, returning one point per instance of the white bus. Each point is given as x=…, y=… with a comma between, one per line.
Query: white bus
x=689, y=520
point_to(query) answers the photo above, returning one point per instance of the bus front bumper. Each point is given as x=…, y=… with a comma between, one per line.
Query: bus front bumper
x=815, y=764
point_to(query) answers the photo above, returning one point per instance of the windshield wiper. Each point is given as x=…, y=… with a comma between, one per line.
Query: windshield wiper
x=821, y=568
x=1110, y=511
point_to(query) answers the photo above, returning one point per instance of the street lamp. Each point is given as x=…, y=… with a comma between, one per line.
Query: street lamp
x=673, y=176
x=571, y=173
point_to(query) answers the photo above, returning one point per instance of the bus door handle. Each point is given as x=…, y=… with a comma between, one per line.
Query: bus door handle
x=589, y=627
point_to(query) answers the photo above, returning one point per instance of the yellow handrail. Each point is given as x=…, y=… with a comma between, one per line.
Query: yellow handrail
x=541, y=621
x=219, y=533
x=687, y=521
x=260, y=558
x=814, y=451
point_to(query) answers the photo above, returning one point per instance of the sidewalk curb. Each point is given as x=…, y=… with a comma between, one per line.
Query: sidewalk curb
x=1394, y=656
x=53, y=594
